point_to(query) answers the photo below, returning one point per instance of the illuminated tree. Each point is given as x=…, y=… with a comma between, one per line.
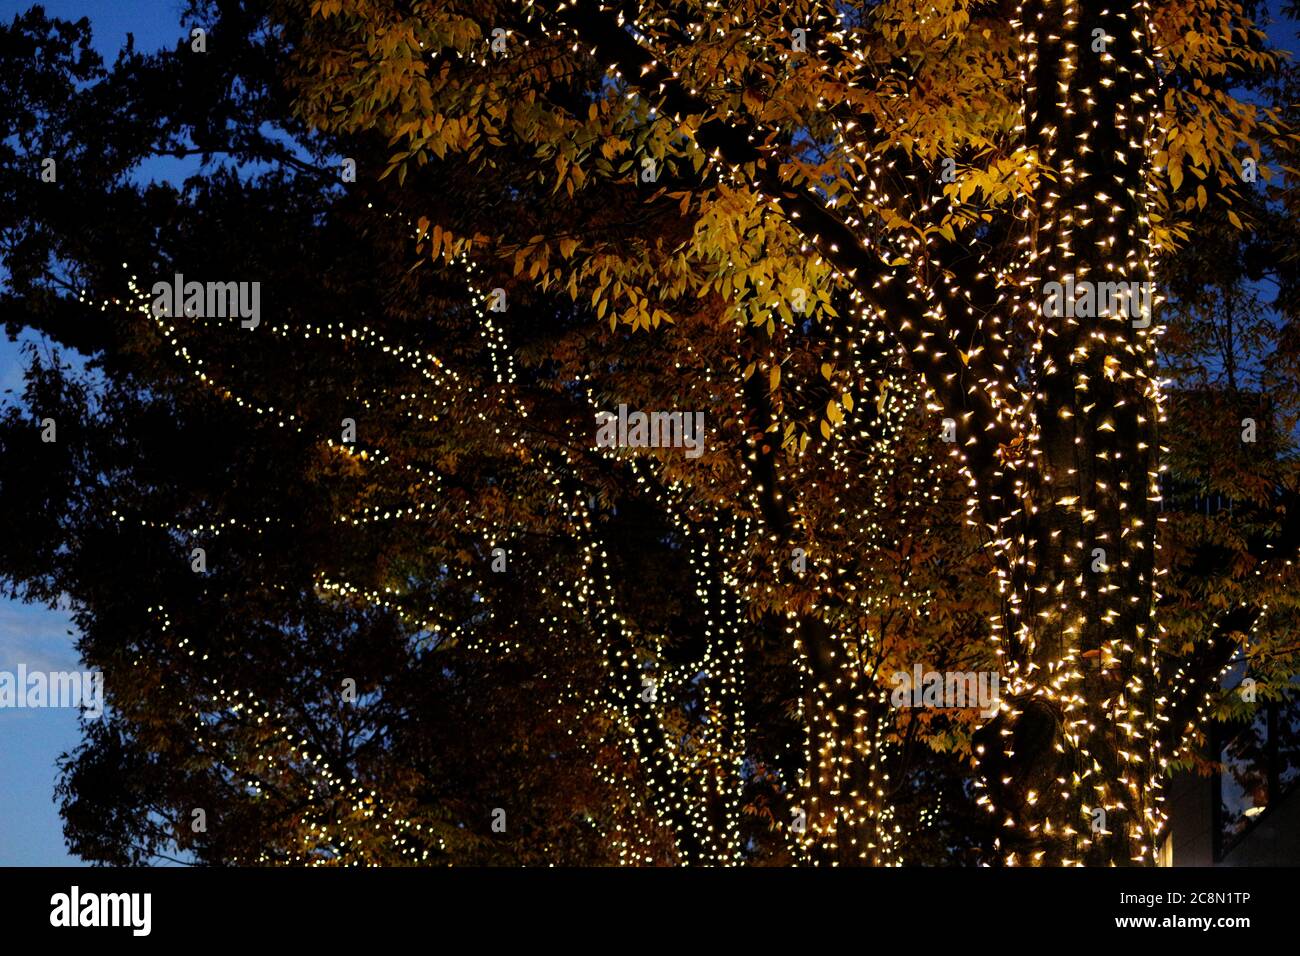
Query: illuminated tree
x=832, y=230
x=809, y=143
x=199, y=435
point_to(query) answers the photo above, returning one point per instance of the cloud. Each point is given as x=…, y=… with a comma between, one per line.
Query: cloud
x=36, y=636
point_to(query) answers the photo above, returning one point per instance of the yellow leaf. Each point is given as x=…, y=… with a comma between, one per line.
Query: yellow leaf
x=774, y=377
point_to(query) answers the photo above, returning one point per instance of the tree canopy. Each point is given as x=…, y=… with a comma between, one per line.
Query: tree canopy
x=366, y=588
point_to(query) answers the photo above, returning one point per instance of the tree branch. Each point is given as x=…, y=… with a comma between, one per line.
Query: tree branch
x=928, y=344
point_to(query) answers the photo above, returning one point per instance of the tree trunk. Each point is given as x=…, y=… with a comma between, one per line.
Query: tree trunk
x=1077, y=547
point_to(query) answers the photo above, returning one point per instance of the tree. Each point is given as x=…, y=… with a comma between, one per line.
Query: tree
x=822, y=129
x=678, y=660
